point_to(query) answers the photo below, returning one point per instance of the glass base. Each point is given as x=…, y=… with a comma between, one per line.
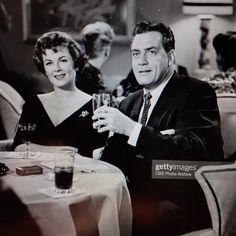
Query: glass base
x=26, y=155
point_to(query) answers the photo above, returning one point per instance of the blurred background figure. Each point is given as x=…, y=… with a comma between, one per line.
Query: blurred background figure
x=225, y=47
x=97, y=40
x=182, y=70
x=13, y=211
x=125, y=87
x=25, y=85
x=5, y=26
x=130, y=85
x=5, y=19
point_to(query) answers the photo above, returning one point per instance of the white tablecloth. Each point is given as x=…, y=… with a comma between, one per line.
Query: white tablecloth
x=104, y=208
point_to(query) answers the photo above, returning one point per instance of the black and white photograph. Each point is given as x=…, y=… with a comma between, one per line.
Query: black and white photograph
x=117, y=117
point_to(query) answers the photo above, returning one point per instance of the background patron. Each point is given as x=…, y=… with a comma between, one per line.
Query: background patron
x=97, y=40
x=225, y=47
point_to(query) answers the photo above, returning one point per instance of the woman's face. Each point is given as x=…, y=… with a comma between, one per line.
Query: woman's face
x=102, y=46
x=59, y=67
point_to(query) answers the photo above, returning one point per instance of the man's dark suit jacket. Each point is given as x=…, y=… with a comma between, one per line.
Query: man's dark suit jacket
x=189, y=107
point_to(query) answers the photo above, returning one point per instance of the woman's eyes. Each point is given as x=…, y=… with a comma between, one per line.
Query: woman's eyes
x=63, y=60
x=48, y=63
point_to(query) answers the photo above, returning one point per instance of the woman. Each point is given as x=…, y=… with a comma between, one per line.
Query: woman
x=63, y=116
x=97, y=40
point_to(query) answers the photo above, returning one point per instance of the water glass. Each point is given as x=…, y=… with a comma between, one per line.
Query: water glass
x=101, y=99
x=64, y=170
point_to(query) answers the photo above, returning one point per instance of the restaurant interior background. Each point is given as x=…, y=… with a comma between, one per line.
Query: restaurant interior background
x=18, y=54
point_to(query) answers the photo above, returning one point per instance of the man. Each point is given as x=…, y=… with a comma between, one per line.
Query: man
x=97, y=40
x=183, y=124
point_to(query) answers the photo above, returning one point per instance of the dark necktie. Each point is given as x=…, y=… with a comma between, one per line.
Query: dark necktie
x=147, y=104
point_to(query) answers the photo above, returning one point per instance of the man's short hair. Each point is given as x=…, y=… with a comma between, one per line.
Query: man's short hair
x=168, y=39
x=96, y=31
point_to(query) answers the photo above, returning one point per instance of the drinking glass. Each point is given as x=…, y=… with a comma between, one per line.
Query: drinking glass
x=101, y=99
x=27, y=129
x=64, y=169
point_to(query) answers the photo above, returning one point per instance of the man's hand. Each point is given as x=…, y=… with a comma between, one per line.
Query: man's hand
x=111, y=119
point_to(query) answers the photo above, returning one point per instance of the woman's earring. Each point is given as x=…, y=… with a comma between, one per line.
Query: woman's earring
x=106, y=53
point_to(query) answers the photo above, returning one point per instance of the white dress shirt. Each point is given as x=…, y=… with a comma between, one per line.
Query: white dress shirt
x=156, y=93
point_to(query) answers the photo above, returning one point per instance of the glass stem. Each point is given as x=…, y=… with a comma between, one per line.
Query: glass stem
x=27, y=149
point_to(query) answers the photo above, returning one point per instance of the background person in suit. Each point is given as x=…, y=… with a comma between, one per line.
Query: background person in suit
x=183, y=124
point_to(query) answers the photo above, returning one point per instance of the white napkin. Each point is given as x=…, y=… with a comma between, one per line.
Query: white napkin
x=86, y=168
x=22, y=155
x=50, y=165
x=50, y=192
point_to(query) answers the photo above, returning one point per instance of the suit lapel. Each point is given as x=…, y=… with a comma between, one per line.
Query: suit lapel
x=134, y=113
x=164, y=100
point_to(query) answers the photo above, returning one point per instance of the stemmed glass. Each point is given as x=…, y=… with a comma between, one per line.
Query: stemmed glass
x=26, y=129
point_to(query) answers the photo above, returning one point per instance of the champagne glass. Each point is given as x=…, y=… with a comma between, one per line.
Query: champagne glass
x=26, y=129
x=101, y=99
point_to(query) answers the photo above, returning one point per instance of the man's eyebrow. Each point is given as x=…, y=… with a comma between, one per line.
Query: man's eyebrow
x=150, y=48
x=145, y=49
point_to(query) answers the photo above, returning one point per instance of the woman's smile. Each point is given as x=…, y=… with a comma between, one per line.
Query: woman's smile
x=59, y=76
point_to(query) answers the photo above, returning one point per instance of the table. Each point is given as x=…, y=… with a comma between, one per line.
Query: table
x=104, y=208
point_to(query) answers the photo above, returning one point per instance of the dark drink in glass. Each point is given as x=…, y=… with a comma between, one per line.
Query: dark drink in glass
x=63, y=170
x=64, y=177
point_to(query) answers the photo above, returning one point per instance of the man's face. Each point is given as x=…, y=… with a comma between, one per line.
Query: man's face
x=149, y=59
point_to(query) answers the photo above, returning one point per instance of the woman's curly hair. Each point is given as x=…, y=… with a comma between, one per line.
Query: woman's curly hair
x=53, y=40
